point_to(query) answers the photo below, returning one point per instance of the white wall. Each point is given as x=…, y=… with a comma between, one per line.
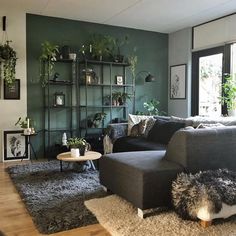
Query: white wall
x=11, y=110
x=180, y=43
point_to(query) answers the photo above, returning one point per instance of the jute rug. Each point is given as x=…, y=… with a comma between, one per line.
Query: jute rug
x=55, y=199
x=120, y=218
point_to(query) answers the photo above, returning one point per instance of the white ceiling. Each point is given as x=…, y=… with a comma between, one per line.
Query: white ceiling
x=164, y=16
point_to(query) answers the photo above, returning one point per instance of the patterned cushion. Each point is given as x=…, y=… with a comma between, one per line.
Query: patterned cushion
x=149, y=124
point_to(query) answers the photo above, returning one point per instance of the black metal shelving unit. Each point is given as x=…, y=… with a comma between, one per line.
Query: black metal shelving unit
x=105, y=70
x=51, y=127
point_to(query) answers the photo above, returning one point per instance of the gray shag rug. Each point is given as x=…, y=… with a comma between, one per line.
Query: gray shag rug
x=55, y=199
x=120, y=218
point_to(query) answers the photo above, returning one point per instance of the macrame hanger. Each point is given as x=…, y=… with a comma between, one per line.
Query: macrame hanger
x=4, y=34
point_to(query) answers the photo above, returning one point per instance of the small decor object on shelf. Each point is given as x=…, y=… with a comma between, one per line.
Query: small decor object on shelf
x=59, y=99
x=64, y=139
x=72, y=56
x=119, y=80
x=12, y=91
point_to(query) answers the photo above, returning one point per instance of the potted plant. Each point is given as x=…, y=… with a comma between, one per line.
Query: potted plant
x=119, y=98
x=26, y=124
x=229, y=94
x=124, y=97
x=77, y=146
x=98, y=118
x=8, y=59
x=152, y=106
x=47, y=61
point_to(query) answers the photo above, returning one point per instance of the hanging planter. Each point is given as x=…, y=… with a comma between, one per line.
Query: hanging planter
x=8, y=63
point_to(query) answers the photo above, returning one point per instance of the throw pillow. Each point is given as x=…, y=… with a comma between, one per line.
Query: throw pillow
x=162, y=131
x=138, y=129
x=135, y=119
x=149, y=124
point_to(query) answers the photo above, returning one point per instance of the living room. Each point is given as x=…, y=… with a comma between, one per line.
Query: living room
x=162, y=40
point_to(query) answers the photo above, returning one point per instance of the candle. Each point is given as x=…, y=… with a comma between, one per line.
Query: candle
x=27, y=122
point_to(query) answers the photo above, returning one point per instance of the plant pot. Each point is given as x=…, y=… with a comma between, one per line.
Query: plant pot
x=75, y=152
x=82, y=150
x=232, y=112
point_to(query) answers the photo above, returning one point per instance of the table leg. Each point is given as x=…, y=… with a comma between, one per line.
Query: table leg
x=61, y=165
x=92, y=165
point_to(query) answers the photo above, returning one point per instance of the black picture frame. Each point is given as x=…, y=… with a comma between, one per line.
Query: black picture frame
x=15, y=145
x=13, y=91
x=178, y=81
x=119, y=80
x=59, y=99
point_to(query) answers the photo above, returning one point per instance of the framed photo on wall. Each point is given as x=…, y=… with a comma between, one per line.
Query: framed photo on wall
x=178, y=81
x=15, y=145
x=13, y=91
x=119, y=79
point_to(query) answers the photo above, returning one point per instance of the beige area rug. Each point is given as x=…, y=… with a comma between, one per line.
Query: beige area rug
x=120, y=218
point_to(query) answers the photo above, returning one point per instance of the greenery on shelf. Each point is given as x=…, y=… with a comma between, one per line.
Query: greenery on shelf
x=76, y=142
x=229, y=92
x=8, y=59
x=133, y=60
x=47, y=60
x=119, y=98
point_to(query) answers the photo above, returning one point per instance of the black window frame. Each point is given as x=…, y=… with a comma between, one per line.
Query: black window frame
x=195, y=73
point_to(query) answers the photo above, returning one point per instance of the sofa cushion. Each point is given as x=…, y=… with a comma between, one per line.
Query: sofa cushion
x=162, y=131
x=128, y=144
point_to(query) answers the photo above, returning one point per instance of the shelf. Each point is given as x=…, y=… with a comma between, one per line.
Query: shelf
x=83, y=106
x=104, y=63
x=60, y=107
x=65, y=60
x=106, y=85
x=62, y=82
x=60, y=130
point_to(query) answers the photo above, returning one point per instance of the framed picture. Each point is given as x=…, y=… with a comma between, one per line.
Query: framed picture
x=119, y=80
x=59, y=99
x=13, y=91
x=15, y=145
x=178, y=81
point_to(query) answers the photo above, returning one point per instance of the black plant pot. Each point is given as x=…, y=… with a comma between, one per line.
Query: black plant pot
x=82, y=150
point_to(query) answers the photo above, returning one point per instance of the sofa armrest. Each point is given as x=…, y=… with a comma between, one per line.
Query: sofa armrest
x=203, y=149
x=117, y=130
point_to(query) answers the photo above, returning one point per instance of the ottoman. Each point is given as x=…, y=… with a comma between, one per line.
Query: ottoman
x=143, y=178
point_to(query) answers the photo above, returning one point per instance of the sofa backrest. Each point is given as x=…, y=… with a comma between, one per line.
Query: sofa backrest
x=203, y=149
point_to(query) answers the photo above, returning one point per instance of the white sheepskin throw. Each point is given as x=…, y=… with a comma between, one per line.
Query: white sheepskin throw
x=208, y=188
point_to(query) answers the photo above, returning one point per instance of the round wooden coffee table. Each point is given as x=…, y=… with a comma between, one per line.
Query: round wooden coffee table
x=89, y=157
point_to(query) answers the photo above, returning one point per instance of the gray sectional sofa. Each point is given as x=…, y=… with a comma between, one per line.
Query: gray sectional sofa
x=144, y=177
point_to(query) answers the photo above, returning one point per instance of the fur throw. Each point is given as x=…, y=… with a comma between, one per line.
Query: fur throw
x=211, y=188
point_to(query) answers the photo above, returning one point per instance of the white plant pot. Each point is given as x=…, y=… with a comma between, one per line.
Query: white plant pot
x=74, y=152
x=232, y=113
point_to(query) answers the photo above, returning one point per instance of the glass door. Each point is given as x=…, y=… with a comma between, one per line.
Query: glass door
x=207, y=79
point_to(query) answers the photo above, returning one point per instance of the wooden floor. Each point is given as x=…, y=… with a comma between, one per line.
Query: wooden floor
x=15, y=219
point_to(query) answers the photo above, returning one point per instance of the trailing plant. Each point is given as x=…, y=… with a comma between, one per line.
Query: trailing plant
x=133, y=60
x=47, y=61
x=8, y=59
x=229, y=93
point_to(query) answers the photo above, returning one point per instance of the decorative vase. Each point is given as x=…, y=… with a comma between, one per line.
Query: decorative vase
x=75, y=152
x=27, y=131
x=82, y=150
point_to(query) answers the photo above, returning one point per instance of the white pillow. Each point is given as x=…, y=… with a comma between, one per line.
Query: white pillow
x=135, y=119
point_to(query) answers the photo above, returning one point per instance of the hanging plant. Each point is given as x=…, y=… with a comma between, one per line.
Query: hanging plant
x=47, y=61
x=8, y=62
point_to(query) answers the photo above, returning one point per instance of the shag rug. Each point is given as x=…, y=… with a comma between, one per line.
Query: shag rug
x=120, y=218
x=55, y=199
x=208, y=189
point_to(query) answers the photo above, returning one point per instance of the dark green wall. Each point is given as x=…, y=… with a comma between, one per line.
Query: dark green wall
x=152, y=52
